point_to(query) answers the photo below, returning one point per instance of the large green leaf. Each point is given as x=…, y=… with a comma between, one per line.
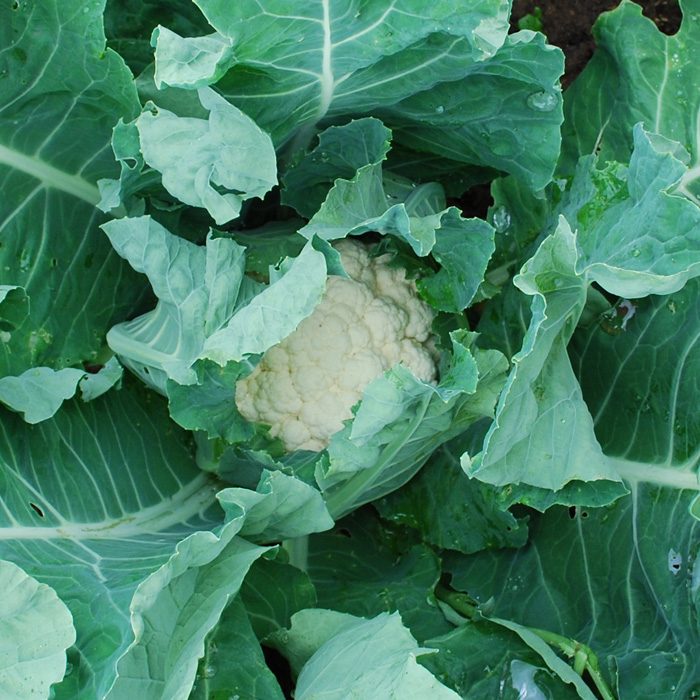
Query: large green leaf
x=543, y=433
x=61, y=92
x=504, y=114
x=644, y=405
x=233, y=663
x=450, y=510
x=214, y=163
x=273, y=591
x=620, y=579
x=637, y=75
x=104, y=504
x=340, y=665
x=347, y=54
x=633, y=238
x=416, y=66
x=358, y=570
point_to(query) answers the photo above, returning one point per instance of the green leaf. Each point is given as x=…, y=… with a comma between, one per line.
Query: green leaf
x=55, y=126
x=505, y=113
x=233, y=663
x=197, y=289
x=340, y=55
x=638, y=74
x=644, y=404
x=548, y=655
x=463, y=248
x=341, y=152
x=340, y=666
x=542, y=398
x=307, y=632
x=619, y=579
x=272, y=592
x=274, y=313
x=36, y=628
x=358, y=569
x=14, y=308
x=636, y=234
x=282, y=507
x=210, y=404
x=482, y=661
x=102, y=502
x=451, y=511
x=198, y=158
x=93, y=385
x=38, y=393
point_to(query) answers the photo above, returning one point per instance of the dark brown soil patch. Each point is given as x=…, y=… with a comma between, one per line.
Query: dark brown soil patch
x=567, y=24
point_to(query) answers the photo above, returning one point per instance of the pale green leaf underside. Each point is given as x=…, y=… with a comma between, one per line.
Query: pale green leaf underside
x=36, y=628
x=198, y=157
x=340, y=666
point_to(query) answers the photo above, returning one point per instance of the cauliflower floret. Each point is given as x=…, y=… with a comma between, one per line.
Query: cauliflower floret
x=306, y=386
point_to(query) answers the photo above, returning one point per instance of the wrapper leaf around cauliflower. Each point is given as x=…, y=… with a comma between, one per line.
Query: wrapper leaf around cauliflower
x=305, y=387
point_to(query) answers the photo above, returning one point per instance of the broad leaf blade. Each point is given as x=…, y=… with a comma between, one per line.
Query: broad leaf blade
x=340, y=665
x=49, y=166
x=624, y=572
x=103, y=502
x=233, y=663
x=638, y=74
x=543, y=433
x=644, y=405
x=199, y=158
x=415, y=66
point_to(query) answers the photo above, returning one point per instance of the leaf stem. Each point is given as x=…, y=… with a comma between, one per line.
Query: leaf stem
x=583, y=656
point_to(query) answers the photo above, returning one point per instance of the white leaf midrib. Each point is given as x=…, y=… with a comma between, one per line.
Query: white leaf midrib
x=191, y=500
x=50, y=176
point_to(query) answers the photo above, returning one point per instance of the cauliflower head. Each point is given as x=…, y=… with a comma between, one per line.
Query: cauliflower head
x=306, y=386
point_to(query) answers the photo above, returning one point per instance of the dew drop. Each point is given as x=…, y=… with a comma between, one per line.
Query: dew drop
x=501, y=218
x=209, y=671
x=24, y=261
x=439, y=110
x=542, y=101
x=636, y=253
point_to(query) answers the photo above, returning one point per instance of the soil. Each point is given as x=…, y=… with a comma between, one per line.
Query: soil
x=568, y=24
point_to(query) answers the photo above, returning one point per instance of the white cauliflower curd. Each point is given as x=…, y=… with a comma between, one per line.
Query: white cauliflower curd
x=305, y=386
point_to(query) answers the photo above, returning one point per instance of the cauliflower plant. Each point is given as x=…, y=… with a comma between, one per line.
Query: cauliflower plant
x=305, y=386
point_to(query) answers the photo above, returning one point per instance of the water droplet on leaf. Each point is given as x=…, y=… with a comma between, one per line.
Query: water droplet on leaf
x=209, y=671
x=501, y=218
x=542, y=101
